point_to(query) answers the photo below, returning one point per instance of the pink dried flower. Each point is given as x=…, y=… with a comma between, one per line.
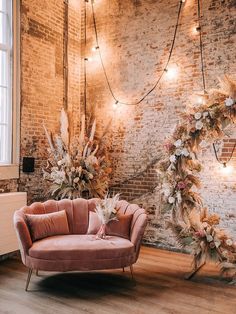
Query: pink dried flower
x=190, y=118
x=212, y=245
x=169, y=146
x=181, y=185
x=200, y=233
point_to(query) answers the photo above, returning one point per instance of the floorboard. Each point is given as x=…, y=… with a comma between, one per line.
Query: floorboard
x=159, y=288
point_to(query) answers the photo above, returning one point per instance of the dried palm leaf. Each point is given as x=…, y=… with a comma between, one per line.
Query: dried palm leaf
x=92, y=133
x=227, y=87
x=49, y=138
x=194, y=180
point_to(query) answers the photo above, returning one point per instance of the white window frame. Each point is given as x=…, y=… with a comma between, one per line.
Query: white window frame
x=11, y=171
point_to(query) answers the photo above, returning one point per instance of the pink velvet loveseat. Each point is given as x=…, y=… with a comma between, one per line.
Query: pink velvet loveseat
x=78, y=250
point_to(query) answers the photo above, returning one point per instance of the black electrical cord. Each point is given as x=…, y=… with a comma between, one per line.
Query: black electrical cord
x=159, y=78
x=199, y=28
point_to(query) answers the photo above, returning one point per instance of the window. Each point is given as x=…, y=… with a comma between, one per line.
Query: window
x=9, y=87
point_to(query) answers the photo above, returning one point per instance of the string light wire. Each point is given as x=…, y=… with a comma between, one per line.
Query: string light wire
x=199, y=29
x=162, y=72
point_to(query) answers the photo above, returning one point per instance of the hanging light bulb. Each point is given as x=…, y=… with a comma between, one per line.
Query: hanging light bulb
x=171, y=72
x=115, y=105
x=200, y=100
x=196, y=29
x=182, y=1
x=226, y=169
x=88, y=59
x=95, y=48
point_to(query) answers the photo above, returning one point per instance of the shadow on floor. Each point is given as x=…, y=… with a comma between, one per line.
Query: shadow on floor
x=84, y=285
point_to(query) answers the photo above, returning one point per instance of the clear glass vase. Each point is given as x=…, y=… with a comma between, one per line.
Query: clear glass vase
x=101, y=234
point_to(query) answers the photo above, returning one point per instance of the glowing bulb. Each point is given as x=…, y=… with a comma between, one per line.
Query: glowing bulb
x=226, y=169
x=200, y=100
x=115, y=105
x=95, y=48
x=196, y=29
x=88, y=59
x=171, y=72
x=182, y=1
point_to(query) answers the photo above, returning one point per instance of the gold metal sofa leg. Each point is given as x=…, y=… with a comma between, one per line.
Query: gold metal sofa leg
x=30, y=270
x=132, y=271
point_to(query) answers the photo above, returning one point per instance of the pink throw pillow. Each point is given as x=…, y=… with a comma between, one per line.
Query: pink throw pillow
x=46, y=225
x=120, y=227
x=94, y=223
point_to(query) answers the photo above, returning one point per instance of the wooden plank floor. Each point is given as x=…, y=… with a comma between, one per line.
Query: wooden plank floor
x=159, y=288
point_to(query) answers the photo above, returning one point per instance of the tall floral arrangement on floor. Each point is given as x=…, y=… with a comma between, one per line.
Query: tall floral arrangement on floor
x=77, y=167
x=191, y=222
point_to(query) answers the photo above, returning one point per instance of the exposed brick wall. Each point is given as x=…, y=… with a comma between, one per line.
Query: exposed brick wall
x=138, y=185
x=135, y=37
x=134, y=40
x=42, y=92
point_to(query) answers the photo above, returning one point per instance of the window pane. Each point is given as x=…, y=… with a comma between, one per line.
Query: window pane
x=4, y=110
x=3, y=68
x=5, y=144
x=5, y=28
x=3, y=5
x=5, y=81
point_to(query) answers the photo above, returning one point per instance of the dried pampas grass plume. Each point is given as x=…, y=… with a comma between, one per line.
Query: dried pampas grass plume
x=227, y=87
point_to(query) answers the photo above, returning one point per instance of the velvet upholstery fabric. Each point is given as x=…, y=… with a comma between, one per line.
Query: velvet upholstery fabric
x=84, y=252
x=46, y=225
x=120, y=227
x=80, y=247
x=94, y=223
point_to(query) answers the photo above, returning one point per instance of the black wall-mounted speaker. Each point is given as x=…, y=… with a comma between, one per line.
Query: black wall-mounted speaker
x=28, y=164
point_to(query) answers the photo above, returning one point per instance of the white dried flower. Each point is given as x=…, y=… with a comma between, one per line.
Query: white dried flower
x=166, y=189
x=185, y=152
x=199, y=125
x=171, y=199
x=90, y=176
x=178, y=143
x=217, y=243
x=179, y=197
x=205, y=114
x=209, y=238
x=76, y=180
x=229, y=102
x=197, y=115
x=204, y=224
x=72, y=169
x=225, y=253
x=172, y=158
x=229, y=242
x=178, y=152
x=60, y=162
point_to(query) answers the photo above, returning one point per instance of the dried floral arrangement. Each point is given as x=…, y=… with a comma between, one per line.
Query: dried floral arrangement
x=191, y=222
x=78, y=167
x=106, y=210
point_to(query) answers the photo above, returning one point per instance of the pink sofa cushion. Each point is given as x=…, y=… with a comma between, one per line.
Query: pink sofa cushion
x=80, y=247
x=120, y=227
x=94, y=223
x=45, y=225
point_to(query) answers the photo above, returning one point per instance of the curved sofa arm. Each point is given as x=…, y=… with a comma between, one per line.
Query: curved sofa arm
x=23, y=234
x=137, y=229
x=138, y=224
